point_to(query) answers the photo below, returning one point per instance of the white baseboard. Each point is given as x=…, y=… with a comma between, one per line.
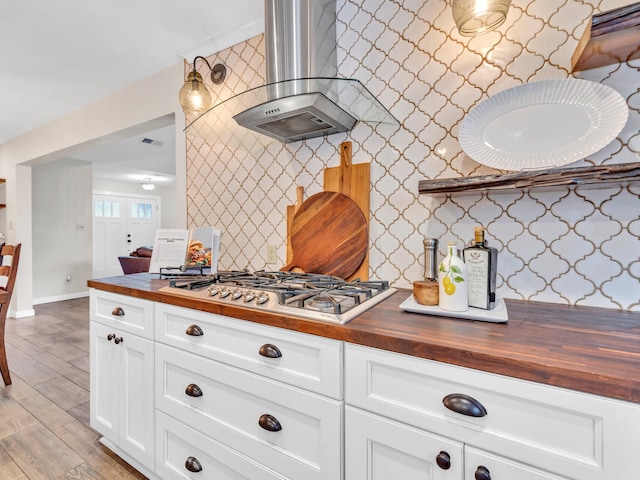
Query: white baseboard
x=59, y=298
x=21, y=313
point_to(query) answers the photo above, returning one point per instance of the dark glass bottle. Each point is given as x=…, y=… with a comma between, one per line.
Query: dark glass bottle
x=482, y=267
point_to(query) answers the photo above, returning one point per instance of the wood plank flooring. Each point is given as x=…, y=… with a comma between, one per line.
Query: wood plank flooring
x=44, y=414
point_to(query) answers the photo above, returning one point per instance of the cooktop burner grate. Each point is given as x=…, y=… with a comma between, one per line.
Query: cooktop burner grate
x=312, y=296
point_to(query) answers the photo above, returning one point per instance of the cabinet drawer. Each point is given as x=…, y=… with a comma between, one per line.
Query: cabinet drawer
x=131, y=315
x=177, y=443
x=306, y=361
x=228, y=406
x=377, y=447
x=480, y=463
x=558, y=430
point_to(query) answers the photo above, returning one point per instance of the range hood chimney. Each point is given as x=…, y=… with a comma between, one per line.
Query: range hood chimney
x=303, y=96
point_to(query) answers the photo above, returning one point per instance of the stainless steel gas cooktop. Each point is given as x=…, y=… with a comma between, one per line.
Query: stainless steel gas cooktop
x=311, y=296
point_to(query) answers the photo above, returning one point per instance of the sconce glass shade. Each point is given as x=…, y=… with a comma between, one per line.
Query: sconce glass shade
x=475, y=17
x=194, y=95
x=148, y=184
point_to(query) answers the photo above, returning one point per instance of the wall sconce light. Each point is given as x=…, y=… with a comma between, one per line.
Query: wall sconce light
x=194, y=95
x=148, y=184
x=475, y=17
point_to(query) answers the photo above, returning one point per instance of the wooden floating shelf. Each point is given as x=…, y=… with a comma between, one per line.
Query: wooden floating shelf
x=613, y=37
x=602, y=175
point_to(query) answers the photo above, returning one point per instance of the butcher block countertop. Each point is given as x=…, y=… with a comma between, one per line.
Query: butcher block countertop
x=593, y=350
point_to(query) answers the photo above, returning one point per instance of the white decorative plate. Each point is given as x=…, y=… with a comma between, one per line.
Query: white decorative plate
x=543, y=124
x=497, y=315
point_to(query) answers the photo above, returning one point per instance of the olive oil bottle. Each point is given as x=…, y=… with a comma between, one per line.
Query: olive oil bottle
x=482, y=267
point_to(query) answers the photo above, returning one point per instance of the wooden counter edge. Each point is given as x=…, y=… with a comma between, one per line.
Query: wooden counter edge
x=621, y=387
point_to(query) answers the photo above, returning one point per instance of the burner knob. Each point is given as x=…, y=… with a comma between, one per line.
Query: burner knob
x=213, y=291
x=236, y=295
x=262, y=298
x=225, y=292
x=249, y=296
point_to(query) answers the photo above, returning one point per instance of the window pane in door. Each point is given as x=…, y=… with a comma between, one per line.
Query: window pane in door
x=98, y=209
x=141, y=210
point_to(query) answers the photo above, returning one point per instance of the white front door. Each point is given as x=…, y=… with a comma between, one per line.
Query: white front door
x=121, y=224
x=109, y=235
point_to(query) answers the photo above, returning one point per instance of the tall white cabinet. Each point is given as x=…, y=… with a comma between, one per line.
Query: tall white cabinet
x=121, y=395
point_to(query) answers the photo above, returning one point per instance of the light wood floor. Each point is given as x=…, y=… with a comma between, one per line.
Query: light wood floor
x=44, y=414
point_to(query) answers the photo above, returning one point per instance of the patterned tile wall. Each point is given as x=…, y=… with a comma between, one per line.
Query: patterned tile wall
x=567, y=245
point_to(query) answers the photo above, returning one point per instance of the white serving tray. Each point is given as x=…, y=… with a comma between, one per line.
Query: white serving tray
x=548, y=123
x=497, y=315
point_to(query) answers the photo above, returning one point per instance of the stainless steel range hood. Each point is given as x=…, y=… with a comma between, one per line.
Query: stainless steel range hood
x=303, y=97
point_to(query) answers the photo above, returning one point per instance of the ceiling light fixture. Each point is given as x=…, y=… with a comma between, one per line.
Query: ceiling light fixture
x=475, y=17
x=148, y=184
x=194, y=95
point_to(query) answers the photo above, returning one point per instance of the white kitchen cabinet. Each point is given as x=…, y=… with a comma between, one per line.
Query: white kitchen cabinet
x=121, y=385
x=486, y=466
x=186, y=454
x=535, y=430
x=305, y=361
x=381, y=448
x=345, y=411
x=129, y=314
x=214, y=377
x=377, y=447
x=286, y=429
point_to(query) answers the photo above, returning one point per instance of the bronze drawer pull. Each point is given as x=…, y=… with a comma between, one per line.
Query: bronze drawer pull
x=269, y=423
x=194, y=331
x=193, y=465
x=443, y=460
x=464, y=405
x=270, y=351
x=118, y=312
x=193, y=390
x=482, y=473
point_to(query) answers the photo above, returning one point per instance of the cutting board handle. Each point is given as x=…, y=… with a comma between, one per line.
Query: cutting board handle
x=344, y=183
x=299, y=196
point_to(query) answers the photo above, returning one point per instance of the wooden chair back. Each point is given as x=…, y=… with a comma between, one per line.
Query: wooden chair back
x=8, y=272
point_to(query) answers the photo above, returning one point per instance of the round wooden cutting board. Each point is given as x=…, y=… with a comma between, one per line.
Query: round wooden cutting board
x=329, y=235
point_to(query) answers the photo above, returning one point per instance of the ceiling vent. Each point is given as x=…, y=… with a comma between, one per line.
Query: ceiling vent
x=151, y=141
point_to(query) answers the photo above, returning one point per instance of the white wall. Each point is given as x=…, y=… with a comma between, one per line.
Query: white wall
x=140, y=107
x=62, y=233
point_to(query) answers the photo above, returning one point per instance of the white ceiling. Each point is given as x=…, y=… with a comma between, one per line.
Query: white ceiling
x=132, y=160
x=58, y=56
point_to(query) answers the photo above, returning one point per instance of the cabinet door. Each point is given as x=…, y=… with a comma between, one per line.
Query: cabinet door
x=380, y=449
x=121, y=407
x=136, y=415
x=485, y=465
x=103, y=382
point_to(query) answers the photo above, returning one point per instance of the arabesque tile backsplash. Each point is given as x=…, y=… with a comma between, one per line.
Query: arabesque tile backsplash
x=566, y=245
